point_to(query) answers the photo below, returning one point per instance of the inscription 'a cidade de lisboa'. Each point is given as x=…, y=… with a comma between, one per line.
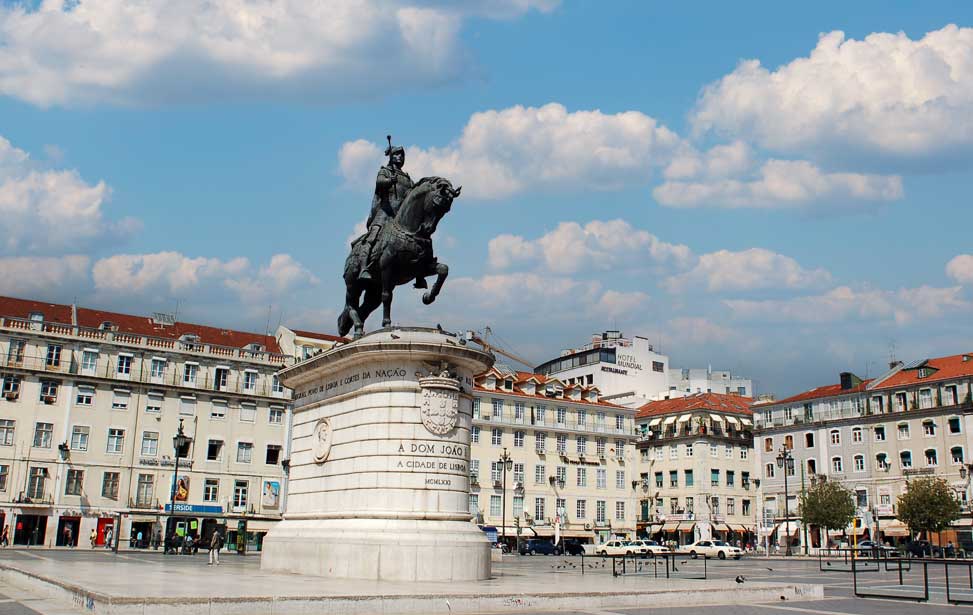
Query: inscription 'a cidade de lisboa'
x=426, y=454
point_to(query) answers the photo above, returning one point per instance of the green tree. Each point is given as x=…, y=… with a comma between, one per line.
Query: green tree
x=928, y=505
x=828, y=505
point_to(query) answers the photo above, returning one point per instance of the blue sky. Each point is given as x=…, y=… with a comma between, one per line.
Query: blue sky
x=741, y=184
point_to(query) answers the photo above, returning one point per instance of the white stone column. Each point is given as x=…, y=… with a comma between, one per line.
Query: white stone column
x=380, y=451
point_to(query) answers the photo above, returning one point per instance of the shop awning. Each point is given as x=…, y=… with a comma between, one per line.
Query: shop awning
x=654, y=422
x=575, y=534
x=670, y=527
x=543, y=531
x=739, y=528
x=716, y=417
x=144, y=518
x=746, y=422
x=894, y=529
x=260, y=525
x=654, y=528
x=669, y=420
x=788, y=528
x=686, y=526
x=720, y=527
x=966, y=522
x=684, y=418
x=732, y=420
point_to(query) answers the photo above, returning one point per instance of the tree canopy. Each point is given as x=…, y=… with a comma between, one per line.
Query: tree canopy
x=929, y=505
x=829, y=505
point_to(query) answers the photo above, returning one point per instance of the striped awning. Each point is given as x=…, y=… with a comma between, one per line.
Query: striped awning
x=716, y=417
x=669, y=420
x=684, y=418
x=732, y=420
x=686, y=526
x=671, y=526
x=654, y=422
x=654, y=528
x=746, y=422
x=720, y=527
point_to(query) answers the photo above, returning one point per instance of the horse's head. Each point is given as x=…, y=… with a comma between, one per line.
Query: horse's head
x=427, y=203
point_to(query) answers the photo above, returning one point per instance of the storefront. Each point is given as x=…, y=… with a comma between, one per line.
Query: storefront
x=68, y=531
x=30, y=529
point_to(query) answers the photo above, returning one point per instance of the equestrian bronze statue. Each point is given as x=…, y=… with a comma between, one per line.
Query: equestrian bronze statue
x=397, y=248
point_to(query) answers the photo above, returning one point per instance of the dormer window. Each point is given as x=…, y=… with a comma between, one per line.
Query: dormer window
x=106, y=325
x=36, y=317
x=508, y=384
x=254, y=347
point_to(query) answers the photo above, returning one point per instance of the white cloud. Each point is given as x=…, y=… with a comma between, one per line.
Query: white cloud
x=960, y=268
x=63, y=52
x=169, y=272
x=900, y=306
x=598, y=245
x=616, y=304
x=280, y=275
x=886, y=95
x=26, y=276
x=502, y=153
x=751, y=269
x=700, y=331
x=779, y=184
x=50, y=211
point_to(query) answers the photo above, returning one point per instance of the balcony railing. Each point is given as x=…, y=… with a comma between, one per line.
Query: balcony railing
x=142, y=341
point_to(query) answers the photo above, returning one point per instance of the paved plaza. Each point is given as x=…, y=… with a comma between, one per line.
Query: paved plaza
x=516, y=580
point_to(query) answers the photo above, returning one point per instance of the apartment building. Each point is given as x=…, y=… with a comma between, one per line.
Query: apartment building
x=572, y=459
x=872, y=436
x=696, y=469
x=91, y=402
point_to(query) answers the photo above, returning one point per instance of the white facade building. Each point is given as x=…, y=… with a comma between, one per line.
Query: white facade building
x=626, y=371
x=707, y=380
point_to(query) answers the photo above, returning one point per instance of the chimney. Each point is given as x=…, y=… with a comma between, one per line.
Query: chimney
x=894, y=364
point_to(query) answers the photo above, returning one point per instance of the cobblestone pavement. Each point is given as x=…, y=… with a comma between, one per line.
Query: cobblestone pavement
x=838, y=582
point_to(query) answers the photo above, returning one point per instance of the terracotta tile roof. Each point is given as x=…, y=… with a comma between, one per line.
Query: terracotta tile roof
x=521, y=378
x=941, y=368
x=828, y=390
x=320, y=336
x=712, y=402
x=139, y=325
x=22, y=308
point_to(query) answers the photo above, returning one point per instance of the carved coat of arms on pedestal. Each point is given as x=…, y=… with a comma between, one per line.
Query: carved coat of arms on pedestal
x=440, y=403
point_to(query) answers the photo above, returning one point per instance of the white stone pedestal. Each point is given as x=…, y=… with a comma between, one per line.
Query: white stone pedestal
x=379, y=470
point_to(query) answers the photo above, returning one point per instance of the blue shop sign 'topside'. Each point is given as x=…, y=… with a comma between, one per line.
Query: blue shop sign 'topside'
x=196, y=508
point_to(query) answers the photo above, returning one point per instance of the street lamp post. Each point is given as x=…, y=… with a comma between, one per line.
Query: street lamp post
x=506, y=462
x=758, y=515
x=785, y=461
x=179, y=441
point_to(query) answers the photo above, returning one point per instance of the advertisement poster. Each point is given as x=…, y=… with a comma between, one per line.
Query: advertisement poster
x=271, y=494
x=182, y=489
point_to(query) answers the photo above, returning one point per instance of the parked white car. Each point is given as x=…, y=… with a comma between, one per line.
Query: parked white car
x=711, y=548
x=645, y=547
x=616, y=547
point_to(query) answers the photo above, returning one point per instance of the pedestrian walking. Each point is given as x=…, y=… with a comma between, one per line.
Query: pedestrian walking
x=93, y=537
x=5, y=536
x=68, y=536
x=138, y=540
x=109, y=534
x=215, y=542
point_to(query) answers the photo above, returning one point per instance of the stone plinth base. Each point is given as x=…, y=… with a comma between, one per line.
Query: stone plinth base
x=387, y=550
x=379, y=478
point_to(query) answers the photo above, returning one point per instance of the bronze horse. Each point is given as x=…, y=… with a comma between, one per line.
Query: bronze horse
x=405, y=245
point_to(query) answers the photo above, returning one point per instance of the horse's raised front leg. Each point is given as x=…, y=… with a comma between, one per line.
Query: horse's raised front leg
x=441, y=271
